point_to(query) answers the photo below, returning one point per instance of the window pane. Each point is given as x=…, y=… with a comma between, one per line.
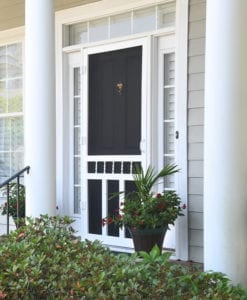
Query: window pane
x=77, y=200
x=166, y=15
x=17, y=161
x=78, y=33
x=3, y=60
x=76, y=141
x=3, y=97
x=77, y=87
x=169, y=181
x=169, y=133
x=169, y=69
x=17, y=132
x=4, y=166
x=77, y=111
x=98, y=30
x=77, y=171
x=14, y=60
x=169, y=104
x=144, y=20
x=121, y=25
x=5, y=134
x=14, y=95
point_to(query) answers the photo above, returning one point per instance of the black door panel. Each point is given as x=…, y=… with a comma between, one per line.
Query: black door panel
x=115, y=102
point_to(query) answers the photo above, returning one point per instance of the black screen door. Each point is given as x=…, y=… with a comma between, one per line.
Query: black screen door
x=115, y=102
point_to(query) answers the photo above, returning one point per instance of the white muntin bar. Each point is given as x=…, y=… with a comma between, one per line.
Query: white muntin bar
x=225, y=185
x=39, y=107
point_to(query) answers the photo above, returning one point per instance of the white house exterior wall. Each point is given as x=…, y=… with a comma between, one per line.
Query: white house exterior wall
x=196, y=68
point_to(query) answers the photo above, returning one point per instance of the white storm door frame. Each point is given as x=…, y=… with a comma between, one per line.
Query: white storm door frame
x=120, y=241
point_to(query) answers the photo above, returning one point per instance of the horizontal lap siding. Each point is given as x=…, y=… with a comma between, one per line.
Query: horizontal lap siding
x=196, y=69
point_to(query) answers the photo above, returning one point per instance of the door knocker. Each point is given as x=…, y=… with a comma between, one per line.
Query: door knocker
x=119, y=87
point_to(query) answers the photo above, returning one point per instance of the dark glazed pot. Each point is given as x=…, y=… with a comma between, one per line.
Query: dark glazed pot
x=145, y=239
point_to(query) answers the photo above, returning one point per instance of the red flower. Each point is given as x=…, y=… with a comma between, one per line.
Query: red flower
x=158, y=195
x=110, y=220
x=184, y=206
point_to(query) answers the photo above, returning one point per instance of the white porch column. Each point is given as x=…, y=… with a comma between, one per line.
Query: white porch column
x=40, y=107
x=225, y=186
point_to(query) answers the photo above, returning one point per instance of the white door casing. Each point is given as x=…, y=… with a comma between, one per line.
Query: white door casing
x=152, y=131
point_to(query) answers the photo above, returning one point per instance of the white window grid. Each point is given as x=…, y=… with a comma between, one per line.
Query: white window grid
x=132, y=22
x=11, y=116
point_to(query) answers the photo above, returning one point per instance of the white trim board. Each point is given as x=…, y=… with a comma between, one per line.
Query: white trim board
x=102, y=9
x=182, y=15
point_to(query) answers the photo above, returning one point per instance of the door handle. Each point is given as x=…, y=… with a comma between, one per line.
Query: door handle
x=142, y=146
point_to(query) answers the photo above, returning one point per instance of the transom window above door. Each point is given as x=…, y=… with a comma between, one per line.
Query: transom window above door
x=124, y=24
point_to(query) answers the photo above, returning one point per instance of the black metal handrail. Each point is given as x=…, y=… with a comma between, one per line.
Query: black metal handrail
x=6, y=183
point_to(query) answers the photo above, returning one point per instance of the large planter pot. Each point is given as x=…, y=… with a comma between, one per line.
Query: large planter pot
x=145, y=239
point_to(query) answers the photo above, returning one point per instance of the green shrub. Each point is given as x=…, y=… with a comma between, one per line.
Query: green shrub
x=44, y=260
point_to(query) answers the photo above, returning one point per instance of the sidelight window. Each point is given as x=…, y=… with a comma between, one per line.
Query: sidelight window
x=169, y=115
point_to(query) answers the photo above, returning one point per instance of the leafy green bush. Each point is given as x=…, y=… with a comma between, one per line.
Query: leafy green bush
x=44, y=260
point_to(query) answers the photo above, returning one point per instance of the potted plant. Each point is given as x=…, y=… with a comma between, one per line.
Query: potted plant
x=147, y=215
x=13, y=205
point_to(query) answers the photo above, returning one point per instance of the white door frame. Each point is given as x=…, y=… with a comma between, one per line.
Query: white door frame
x=144, y=157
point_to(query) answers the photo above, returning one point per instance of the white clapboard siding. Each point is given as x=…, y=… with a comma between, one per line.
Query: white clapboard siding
x=195, y=168
x=196, y=70
x=196, y=116
x=196, y=99
x=196, y=151
x=196, y=81
x=197, y=47
x=196, y=64
x=196, y=203
x=195, y=134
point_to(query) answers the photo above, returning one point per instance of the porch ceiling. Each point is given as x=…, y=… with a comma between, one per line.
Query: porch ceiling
x=12, y=12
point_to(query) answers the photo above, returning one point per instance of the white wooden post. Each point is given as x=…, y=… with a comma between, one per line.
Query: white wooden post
x=39, y=107
x=225, y=186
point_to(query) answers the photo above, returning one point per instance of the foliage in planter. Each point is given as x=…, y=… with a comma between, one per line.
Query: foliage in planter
x=43, y=260
x=142, y=208
x=13, y=201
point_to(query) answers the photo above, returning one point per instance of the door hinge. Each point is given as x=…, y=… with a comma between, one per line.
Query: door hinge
x=177, y=135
